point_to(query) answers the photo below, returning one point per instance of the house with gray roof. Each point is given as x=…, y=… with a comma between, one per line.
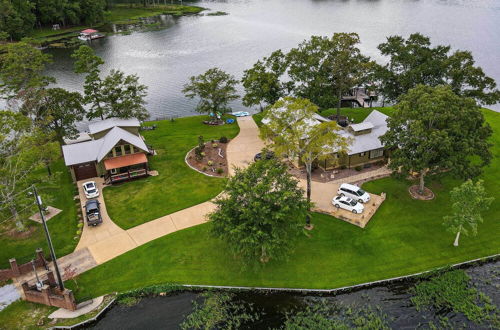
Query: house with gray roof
x=365, y=146
x=114, y=150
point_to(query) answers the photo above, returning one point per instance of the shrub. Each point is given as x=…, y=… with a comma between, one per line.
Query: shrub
x=220, y=170
x=80, y=225
x=367, y=165
x=201, y=142
x=198, y=154
x=223, y=139
x=203, y=154
x=204, y=168
x=215, y=145
x=358, y=168
x=210, y=163
x=343, y=167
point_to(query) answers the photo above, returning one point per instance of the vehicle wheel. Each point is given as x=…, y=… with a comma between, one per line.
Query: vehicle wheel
x=337, y=206
x=342, y=195
x=361, y=201
x=354, y=211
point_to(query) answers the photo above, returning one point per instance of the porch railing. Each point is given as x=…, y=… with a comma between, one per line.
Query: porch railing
x=128, y=175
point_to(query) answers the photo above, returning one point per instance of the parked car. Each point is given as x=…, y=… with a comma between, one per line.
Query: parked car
x=240, y=114
x=348, y=204
x=353, y=192
x=268, y=155
x=90, y=189
x=93, y=212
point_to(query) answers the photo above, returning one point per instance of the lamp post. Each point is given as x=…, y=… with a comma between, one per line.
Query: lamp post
x=49, y=240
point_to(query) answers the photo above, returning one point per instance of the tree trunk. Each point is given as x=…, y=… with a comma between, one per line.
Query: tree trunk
x=339, y=103
x=421, y=185
x=457, y=238
x=263, y=255
x=19, y=222
x=308, y=192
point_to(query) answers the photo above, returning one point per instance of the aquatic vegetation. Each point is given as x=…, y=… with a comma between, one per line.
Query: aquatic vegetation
x=219, y=310
x=328, y=315
x=452, y=290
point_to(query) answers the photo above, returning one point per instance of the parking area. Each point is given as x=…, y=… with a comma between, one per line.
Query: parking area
x=322, y=194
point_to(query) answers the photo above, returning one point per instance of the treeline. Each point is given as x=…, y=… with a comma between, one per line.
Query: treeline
x=19, y=17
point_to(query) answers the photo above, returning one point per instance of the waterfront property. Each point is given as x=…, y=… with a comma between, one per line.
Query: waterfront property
x=112, y=148
x=366, y=147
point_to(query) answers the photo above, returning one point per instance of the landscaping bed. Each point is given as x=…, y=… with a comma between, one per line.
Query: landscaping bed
x=211, y=160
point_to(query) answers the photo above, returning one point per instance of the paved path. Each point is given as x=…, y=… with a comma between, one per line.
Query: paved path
x=242, y=149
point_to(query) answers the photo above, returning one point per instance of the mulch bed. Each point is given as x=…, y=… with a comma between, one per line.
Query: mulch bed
x=211, y=154
x=415, y=194
x=13, y=233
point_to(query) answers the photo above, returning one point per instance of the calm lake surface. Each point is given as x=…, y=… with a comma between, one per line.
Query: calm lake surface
x=165, y=59
x=392, y=299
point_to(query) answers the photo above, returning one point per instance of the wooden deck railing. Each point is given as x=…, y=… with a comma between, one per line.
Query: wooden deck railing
x=128, y=175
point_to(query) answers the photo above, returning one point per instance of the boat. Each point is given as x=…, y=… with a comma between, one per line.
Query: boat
x=90, y=34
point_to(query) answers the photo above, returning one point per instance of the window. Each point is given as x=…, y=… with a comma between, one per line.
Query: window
x=376, y=153
x=113, y=171
x=136, y=149
x=110, y=154
x=118, y=151
x=128, y=149
x=362, y=154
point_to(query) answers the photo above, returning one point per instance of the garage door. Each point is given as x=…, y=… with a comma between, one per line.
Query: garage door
x=85, y=171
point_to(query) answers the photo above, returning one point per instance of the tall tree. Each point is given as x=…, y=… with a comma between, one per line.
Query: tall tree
x=433, y=129
x=263, y=83
x=123, y=96
x=117, y=95
x=21, y=69
x=414, y=61
x=293, y=130
x=259, y=214
x=88, y=63
x=23, y=149
x=215, y=89
x=16, y=18
x=59, y=111
x=468, y=201
x=323, y=69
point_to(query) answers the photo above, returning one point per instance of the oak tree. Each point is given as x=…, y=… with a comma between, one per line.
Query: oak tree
x=433, y=129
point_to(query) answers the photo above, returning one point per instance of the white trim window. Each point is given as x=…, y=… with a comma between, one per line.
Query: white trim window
x=377, y=153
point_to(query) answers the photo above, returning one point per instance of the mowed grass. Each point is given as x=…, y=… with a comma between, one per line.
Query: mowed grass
x=62, y=227
x=127, y=13
x=405, y=236
x=177, y=186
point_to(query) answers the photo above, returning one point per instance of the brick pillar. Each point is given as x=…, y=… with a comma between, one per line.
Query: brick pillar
x=69, y=300
x=50, y=278
x=45, y=295
x=40, y=259
x=14, y=267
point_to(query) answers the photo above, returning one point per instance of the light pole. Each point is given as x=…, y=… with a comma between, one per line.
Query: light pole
x=49, y=240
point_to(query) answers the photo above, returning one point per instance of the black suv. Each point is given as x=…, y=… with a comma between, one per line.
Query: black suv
x=93, y=212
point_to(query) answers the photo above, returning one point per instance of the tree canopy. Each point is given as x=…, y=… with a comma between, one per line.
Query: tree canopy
x=433, y=129
x=291, y=126
x=215, y=88
x=468, y=201
x=24, y=148
x=21, y=69
x=414, y=61
x=263, y=82
x=117, y=95
x=259, y=214
x=19, y=17
x=323, y=69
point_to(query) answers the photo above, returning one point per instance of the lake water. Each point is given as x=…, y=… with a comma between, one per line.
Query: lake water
x=165, y=59
x=392, y=299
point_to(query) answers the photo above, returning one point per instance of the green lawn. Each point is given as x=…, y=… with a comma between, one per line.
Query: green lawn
x=62, y=227
x=177, y=186
x=404, y=237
